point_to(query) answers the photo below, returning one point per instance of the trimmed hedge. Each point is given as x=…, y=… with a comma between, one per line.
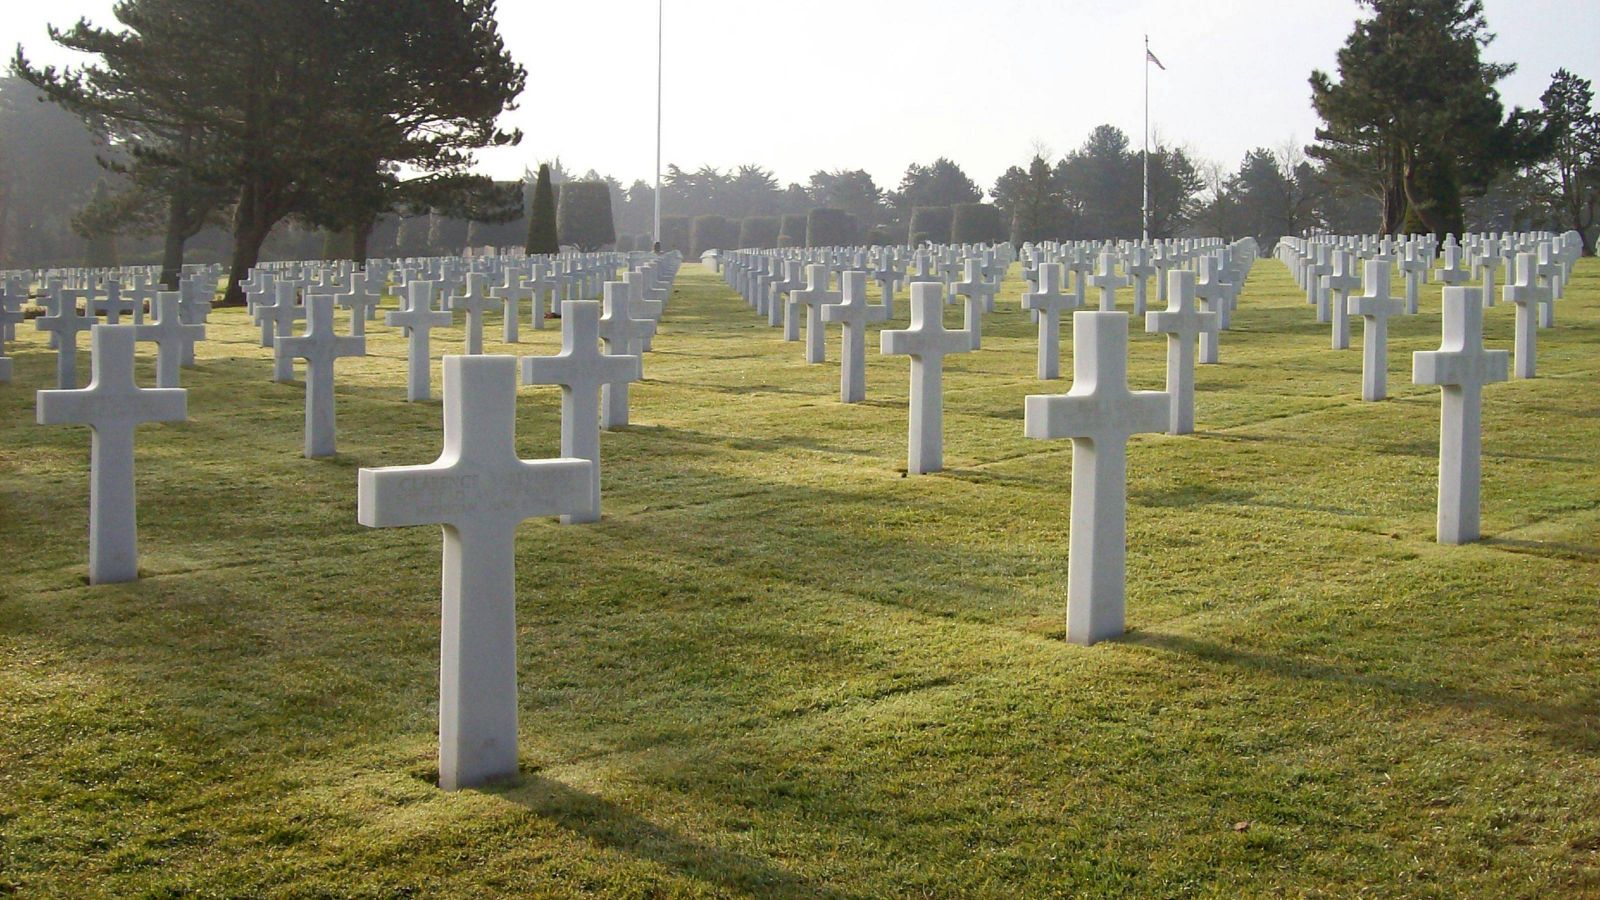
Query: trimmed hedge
x=712, y=233
x=976, y=223
x=758, y=232
x=675, y=234
x=827, y=227
x=583, y=215
x=931, y=224
x=792, y=230
x=886, y=236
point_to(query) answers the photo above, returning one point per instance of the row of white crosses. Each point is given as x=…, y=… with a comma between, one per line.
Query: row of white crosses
x=1477, y=256
x=1325, y=267
x=172, y=312
x=113, y=558
x=478, y=490
x=1462, y=366
x=756, y=275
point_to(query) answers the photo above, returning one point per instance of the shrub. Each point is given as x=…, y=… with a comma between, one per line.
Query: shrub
x=975, y=223
x=830, y=228
x=758, y=232
x=792, y=230
x=931, y=223
x=711, y=233
x=675, y=234
x=583, y=215
x=886, y=236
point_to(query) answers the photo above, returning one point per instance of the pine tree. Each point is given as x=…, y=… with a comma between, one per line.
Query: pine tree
x=299, y=107
x=1415, y=117
x=543, y=237
x=100, y=242
x=1573, y=170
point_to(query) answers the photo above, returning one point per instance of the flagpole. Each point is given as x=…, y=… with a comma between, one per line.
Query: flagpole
x=1144, y=210
x=660, y=19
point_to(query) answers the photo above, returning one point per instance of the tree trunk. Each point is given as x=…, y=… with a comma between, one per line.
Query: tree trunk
x=360, y=239
x=251, y=225
x=177, y=235
x=1394, y=197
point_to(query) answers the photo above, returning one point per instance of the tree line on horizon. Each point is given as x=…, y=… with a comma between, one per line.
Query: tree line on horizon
x=167, y=157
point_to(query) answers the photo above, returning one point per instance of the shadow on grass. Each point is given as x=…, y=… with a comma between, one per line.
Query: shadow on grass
x=1188, y=495
x=740, y=389
x=609, y=825
x=1573, y=726
x=1580, y=552
x=741, y=442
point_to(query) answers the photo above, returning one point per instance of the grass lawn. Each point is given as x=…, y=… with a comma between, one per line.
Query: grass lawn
x=780, y=668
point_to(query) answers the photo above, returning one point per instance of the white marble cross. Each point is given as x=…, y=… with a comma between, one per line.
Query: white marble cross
x=11, y=300
x=1316, y=286
x=927, y=342
x=1212, y=295
x=320, y=347
x=1489, y=266
x=1107, y=281
x=112, y=406
x=138, y=291
x=115, y=305
x=173, y=338
x=1415, y=268
x=1550, y=271
x=1461, y=367
x=1528, y=295
x=1139, y=269
x=1099, y=414
x=638, y=305
x=10, y=317
x=1375, y=307
x=476, y=302
x=772, y=303
x=259, y=289
x=361, y=301
x=277, y=319
x=854, y=313
x=64, y=326
x=1233, y=272
x=1164, y=260
x=977, y=293
x=1452, y=272
x=418, y=319
x=509, y=292
x=622, y=335
x=479, y=490
x=194, y=306
x=1048, y=302
x=889, y=279
x=539, y=284
x=1340, y=284
x=813, y=298
x=581, y=369
x=1182, y=323
x=1076, y=259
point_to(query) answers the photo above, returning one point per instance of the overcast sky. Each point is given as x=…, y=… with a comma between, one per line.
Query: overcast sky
x=878, y=84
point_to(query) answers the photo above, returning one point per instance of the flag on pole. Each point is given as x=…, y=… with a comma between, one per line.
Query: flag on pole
x=1152, y=57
